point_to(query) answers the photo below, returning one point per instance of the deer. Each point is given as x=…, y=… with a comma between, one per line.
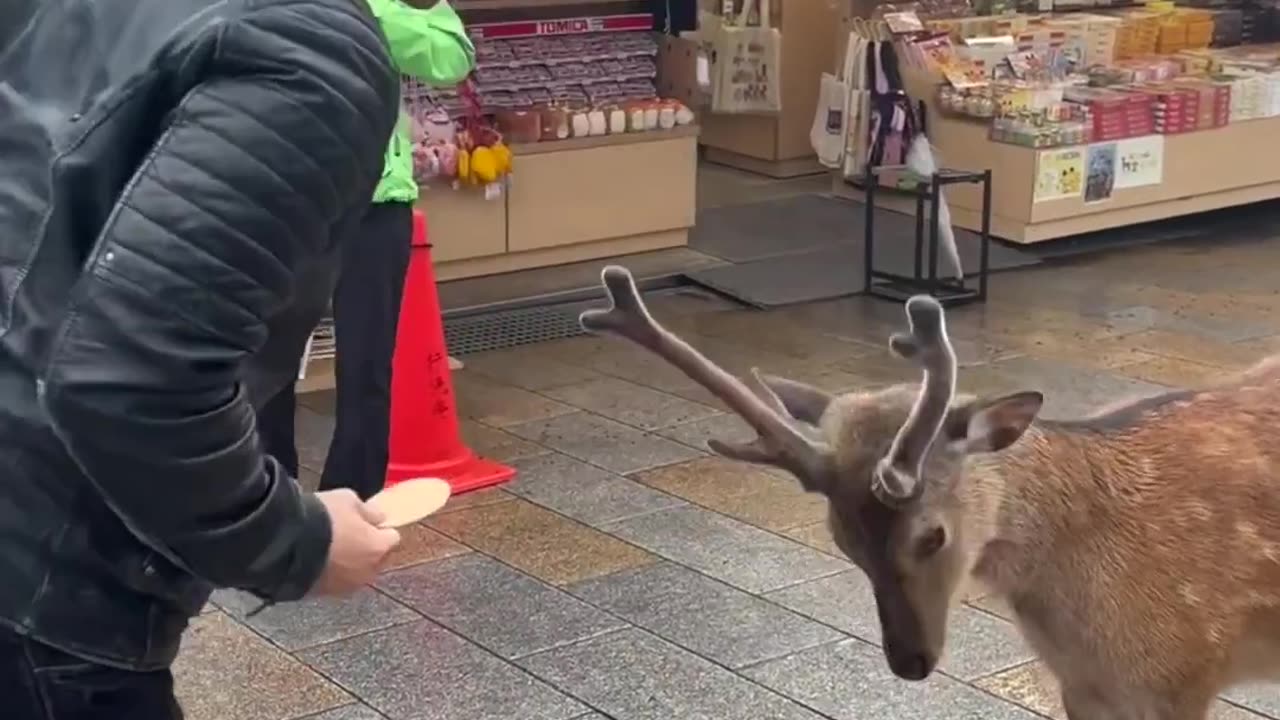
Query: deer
x=1137, y=548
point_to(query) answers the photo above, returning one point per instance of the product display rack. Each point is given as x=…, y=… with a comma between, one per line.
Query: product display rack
x=574, y=61
x=572, y=199
x=1203, y=169
x=569, y=200
x=924, y=277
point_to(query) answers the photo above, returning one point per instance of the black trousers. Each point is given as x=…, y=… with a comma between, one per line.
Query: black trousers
x=38, y=682
x=366, y=311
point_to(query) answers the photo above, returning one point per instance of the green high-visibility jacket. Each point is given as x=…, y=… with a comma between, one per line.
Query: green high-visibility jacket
x=432, y=46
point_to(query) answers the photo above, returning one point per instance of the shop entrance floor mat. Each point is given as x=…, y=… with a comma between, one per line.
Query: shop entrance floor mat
x=810, y=247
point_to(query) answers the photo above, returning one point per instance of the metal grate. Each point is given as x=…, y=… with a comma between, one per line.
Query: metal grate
x=480, y=331
x=510, y=328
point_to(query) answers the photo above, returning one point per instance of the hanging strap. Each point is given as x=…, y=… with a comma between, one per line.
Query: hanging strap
x=881, y=80
x=889, y=66
x=473, y=112
x=745, y=14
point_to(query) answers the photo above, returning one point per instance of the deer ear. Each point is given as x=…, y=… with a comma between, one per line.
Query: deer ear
x=991, y=425
x=803, y=402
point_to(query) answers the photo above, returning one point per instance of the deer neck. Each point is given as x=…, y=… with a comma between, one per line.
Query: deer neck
x=1024, y=502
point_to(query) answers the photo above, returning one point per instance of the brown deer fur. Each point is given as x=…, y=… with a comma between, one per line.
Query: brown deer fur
x=1139, y=549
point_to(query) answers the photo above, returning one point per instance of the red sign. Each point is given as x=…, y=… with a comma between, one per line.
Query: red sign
x=567, y=26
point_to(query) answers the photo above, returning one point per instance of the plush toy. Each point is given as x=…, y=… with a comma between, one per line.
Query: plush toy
x=435, y=126
x=447, y=153
x=435, y=160
x=426, y=164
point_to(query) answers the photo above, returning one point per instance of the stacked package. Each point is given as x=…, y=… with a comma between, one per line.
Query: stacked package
x=1172, y=37
x=959, y=28
x=1214, y=102
x=1128, y=72
x=1138, y=34
x=1015, y=24
x=1199, y=62
x=571, y=70
x=1101, y=47
x=1273, y=94
x=1185, y=28
x=1228, y=27
x=1260, y=21
x=1176, y=109
x=1092, y=36
x=1250, y=98
x=1116, y=114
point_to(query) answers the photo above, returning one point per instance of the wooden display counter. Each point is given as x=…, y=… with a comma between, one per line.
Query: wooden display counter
x=569, y=201
x=778, y=146
x=566, y=201
x=1203, y=170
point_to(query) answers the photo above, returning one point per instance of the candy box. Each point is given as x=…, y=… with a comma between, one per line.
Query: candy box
x=1214, y=105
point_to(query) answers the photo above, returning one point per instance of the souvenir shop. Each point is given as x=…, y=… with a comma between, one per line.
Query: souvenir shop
x=559, y=148
x=1089, y=116
x=578, y=135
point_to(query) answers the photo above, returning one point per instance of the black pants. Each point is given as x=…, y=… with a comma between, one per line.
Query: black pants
x=366, y=311
x=40, y=683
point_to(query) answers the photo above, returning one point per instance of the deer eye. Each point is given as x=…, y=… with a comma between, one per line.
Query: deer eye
x=931, y=542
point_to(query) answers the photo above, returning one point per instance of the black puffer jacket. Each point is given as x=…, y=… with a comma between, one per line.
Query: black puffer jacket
x=174, y=177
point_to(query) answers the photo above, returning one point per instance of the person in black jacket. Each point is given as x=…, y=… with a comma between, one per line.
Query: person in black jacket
x=176, y=177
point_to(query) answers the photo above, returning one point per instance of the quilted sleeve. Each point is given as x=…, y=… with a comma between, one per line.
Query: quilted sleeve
x=281, y=139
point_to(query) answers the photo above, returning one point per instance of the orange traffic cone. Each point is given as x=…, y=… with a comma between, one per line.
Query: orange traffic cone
x=425, y=439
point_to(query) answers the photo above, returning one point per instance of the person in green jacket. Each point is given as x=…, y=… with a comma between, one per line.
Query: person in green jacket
x=428, y=42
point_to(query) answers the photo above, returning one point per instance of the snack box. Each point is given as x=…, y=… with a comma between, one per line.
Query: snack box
x=1116, y=113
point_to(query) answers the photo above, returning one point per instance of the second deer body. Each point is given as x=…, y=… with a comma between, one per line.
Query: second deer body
x=1139, y=549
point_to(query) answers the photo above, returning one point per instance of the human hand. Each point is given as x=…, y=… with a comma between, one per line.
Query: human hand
x=359, y=547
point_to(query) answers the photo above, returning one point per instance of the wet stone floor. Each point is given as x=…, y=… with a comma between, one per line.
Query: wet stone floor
x=629, y=574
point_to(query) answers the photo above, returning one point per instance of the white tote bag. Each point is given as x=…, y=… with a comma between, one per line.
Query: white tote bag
x=747, y=64
x=827, y=135
x=858, y=107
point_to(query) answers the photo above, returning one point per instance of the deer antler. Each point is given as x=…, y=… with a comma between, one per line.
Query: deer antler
x=898, y=474
x=780, y=442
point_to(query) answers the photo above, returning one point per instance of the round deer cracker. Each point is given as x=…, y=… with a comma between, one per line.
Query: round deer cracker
x=408, y=502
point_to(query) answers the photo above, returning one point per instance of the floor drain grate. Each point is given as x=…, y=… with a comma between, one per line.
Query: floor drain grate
x=510, y=328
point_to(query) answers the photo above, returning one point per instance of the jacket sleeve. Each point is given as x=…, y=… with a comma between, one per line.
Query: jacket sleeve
x=428, y=44
x=282, y=139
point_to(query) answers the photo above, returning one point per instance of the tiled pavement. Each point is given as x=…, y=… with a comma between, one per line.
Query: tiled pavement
x=627, y=574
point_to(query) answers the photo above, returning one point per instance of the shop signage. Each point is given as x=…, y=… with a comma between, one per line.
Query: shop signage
x=567, y=26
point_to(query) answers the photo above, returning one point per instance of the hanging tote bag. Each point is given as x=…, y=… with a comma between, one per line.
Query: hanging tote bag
x=747, y=77
x=857, y=128
x=827, y=134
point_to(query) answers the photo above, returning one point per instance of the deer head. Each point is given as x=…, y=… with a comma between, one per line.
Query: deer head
x=891, y=463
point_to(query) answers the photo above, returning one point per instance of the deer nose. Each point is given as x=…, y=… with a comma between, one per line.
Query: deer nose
x=910, y=665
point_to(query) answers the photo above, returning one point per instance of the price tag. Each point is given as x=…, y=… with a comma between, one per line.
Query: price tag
x=903, y=23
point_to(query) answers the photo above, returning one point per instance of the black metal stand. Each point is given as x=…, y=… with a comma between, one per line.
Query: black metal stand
x=949, y=292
